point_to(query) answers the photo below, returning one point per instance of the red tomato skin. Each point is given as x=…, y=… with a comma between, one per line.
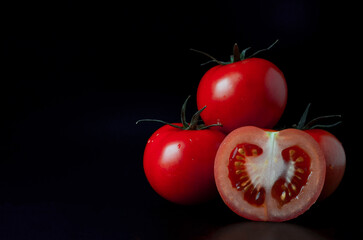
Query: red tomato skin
x=335, y=160
x=179, y=164
x=247, y=92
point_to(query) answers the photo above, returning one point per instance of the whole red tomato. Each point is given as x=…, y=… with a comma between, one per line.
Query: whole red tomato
x=250, y=91
x=179, y=160
x=335, y=160
x=179, y=163
x=332, y=148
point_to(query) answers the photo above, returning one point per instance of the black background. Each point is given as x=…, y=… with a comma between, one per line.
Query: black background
x=76, y=76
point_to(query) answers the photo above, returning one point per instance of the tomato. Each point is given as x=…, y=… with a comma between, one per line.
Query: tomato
x=335, y=160
x=179, y=159
x=179, y=163
x=247, y=92
x=332, y=148
x=269, y=175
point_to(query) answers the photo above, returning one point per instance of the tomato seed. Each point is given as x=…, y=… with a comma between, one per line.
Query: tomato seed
x=247, y=187
x=238, y=172
x=292, y=152
x=283, y=196
x=241, y=151
x=244, y=176
x=237, y=163
x=238, y=157
x=245, y=183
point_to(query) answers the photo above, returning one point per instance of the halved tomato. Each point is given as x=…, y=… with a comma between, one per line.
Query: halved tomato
x=269, y=175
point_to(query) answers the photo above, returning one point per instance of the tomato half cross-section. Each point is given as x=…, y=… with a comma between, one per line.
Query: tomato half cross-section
x=269, y=175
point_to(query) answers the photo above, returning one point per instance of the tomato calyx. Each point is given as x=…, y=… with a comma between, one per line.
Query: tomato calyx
x=237, y=55
x=192, y=125
x=302, y=125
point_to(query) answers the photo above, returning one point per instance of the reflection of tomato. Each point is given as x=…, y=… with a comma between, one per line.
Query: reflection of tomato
x=269, y=175
x=335, y=159
x=179, y=163
x=248, y=92
x=263, y=231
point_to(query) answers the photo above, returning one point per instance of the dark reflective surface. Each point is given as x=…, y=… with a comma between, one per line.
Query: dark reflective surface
x=262, y=231
x=77, y=76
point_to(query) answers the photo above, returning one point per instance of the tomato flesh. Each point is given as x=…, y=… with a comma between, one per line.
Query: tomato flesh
x=285, y=188
x=289, y=187
x=269, y=175
x=239, y=176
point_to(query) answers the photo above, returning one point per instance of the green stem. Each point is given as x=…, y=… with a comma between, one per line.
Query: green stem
x=236, y=53
x=195, y=119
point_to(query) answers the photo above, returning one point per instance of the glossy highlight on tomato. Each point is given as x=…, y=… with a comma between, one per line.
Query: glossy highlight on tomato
x=269, y=175
x=252, y=91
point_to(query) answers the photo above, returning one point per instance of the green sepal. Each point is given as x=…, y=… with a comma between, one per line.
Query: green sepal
x=182, y=114
x=302, y=121
x=302, y=125
x=265, y=49
x=160, y=121
x=236, y=56
x=194, y=122
x=243, y=53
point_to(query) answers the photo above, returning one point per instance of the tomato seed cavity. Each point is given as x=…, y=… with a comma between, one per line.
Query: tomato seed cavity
x=245, y=175
x=289, y=185
x=239, y=176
